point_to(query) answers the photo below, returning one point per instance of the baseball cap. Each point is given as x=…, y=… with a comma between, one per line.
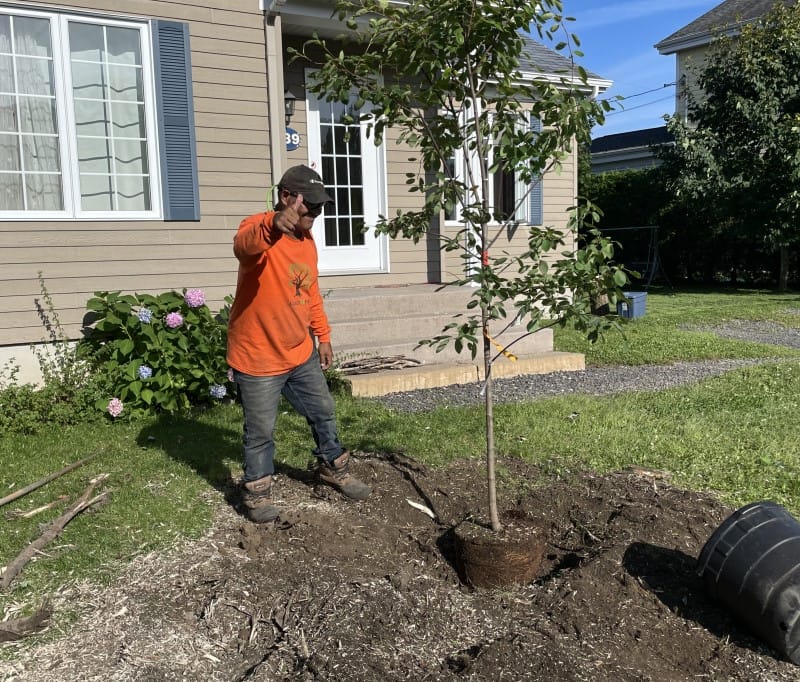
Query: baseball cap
x=305, y=181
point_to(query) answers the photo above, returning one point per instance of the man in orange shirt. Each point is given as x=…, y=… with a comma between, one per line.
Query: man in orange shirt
x=277, y=308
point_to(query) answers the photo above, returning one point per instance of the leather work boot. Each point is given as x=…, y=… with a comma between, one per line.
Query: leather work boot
x=337, y=475
x=257, y=499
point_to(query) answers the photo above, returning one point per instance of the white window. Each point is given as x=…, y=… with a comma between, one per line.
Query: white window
x=78, y=133
x=508, y=198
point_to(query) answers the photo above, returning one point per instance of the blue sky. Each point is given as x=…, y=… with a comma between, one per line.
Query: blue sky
x=617, y=38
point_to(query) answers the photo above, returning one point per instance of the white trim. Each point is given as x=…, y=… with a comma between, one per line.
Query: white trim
x=65, y=117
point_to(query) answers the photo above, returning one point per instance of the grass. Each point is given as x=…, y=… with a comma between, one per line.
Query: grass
x=735, y=434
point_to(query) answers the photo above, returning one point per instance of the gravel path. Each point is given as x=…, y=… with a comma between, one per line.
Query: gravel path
x=602, y=380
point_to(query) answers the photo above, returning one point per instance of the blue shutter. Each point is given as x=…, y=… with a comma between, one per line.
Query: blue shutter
x=536, y=207
x=175, y=120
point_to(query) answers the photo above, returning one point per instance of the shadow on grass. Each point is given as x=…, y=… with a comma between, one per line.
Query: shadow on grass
x=211, y=449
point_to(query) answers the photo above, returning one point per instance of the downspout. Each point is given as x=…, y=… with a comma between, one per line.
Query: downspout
x=273, y=40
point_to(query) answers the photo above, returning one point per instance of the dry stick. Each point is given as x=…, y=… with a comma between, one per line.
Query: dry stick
x=38, y=510
x=52, y=532
x=43, y=481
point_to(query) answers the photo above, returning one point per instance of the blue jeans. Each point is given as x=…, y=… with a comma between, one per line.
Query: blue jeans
x=307, y=391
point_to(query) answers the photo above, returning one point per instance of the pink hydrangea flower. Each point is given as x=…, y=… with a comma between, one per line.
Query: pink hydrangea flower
x=173, y=320
x=115, y=407
x=194, y=298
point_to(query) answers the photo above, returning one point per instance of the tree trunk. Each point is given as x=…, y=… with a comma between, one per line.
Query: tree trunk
x=783, y=273
x=491, y=480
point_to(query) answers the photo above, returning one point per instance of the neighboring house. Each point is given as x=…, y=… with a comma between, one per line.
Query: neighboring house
x=632, y=150
x=133, y=145
x=690, y=44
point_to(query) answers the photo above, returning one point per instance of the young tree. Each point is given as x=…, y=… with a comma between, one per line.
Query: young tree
x=739, y=153
x=446, y=76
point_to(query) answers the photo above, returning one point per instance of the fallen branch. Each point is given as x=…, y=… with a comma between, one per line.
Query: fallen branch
x=17, y=514
x=17, y=628
x=52, y=531
x=42, y=481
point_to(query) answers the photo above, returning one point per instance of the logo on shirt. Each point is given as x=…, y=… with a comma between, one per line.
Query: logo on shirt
x=300, y=278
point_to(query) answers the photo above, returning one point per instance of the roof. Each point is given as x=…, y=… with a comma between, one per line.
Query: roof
x=536, y=58
x=631, y=139
x=727, y=17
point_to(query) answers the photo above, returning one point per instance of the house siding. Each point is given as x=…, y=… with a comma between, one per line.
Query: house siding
x=77, y=258
x=690, y=64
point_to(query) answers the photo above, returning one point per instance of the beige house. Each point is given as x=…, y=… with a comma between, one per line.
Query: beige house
x=690, y=43
x=136, y=138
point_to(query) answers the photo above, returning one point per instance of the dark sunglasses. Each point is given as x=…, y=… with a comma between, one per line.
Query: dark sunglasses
x=311, y=207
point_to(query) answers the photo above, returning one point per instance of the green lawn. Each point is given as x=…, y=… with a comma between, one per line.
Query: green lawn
x=735, y=434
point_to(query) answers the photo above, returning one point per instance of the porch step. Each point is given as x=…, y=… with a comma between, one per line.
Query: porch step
x=448, y=374
x=389, y=322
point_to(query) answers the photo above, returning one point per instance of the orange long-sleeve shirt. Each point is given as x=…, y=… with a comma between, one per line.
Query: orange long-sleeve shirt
x=277, y=300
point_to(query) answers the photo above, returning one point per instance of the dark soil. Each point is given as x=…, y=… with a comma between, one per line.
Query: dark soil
x=337, y=590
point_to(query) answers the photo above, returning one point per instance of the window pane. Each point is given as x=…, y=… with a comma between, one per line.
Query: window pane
x=357, y=207
x=128, y=120
x=327, y=170
x=91, y=118
x=9, y=152
x=344, y=232
x=355, y=171
x=354, y=143
x=94, y=155
x=40, y=153
x=88, y=80
x=32, y=36
x=342, y=201
x=338, y=139
x=327, y=140
x=126, y=83
x=358, y=232
x=34, y=76
x=130, y=157
x=133, y=193
x=6, y=74
x=44, y=192
x=330, y=232
x=8, y=114
x=96, y=192
x=5, y=33
x=38, y=115
x=123, y=45
x=11, y=192
x=86, y=42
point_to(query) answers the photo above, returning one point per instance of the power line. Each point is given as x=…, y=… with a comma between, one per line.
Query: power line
x=647, y=92
x=638, y=106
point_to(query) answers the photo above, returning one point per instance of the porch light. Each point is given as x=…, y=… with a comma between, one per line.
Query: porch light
x=288, y=105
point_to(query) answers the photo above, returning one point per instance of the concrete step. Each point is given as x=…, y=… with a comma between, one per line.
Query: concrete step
x=388, y=322
x=448, y=374
x=392, y=321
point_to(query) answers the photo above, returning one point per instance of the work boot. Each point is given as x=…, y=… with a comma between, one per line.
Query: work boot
x=337, y=475
x=257, y=499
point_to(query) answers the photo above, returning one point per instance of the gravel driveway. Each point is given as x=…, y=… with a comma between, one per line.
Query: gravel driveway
x=602, y=380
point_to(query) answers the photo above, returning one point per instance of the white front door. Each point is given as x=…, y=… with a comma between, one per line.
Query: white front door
x=353, y=171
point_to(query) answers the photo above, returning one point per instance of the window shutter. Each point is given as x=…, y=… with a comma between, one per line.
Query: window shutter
x=175, y=114
x=536, y=201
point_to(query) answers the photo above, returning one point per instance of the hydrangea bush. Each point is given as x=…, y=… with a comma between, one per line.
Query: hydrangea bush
x=157, y=353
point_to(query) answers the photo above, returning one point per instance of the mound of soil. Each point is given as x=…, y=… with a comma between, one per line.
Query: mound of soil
x=368, y=591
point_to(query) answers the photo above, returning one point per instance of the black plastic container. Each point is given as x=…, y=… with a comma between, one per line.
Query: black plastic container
x=752, y=564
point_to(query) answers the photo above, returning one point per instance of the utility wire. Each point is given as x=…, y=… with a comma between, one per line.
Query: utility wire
x=638, y=106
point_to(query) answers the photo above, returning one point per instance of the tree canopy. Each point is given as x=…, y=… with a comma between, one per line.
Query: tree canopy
x=739, y=151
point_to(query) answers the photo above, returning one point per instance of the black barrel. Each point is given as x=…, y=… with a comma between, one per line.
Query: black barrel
x=752, y=564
